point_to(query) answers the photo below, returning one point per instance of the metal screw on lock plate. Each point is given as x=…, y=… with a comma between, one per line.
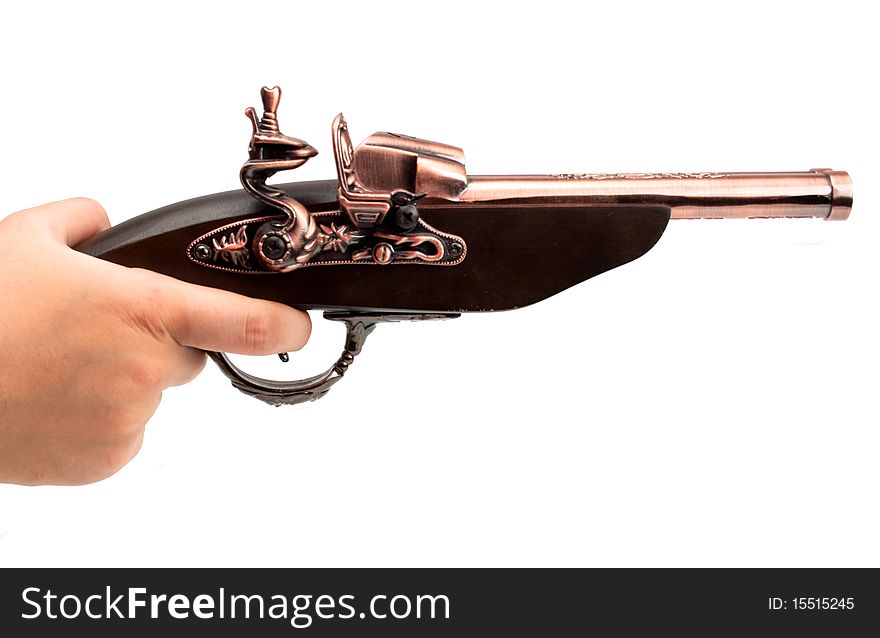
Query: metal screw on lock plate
x=407, y=217
x=274, y=247
x=202, y=252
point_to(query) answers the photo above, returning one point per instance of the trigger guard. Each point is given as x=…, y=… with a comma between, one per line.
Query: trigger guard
x=359, y=325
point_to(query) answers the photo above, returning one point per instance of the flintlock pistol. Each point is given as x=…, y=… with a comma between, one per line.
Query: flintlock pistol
x=404, y=233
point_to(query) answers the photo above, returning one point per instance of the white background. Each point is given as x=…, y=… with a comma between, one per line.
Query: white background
x=713, y=403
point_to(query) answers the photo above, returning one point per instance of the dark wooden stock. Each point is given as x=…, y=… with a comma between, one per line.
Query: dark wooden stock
x=517, y=255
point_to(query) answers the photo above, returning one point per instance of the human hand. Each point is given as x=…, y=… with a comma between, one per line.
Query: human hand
x=86, y=346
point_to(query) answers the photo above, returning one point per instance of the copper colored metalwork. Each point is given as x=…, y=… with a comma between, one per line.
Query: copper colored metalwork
x=387, y=164
x=233, y=248
x=271, y=151
x=493, y=242
x=841, y=193
x=382, y=175
x=818, y=193
x=236, y=247
x=404, y=247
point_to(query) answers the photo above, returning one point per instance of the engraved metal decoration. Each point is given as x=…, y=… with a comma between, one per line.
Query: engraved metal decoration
x=277, y=393
x=700, y=175
x=338, y=239
x=338, y=245
x=403, y=247
x=378, y=222
x=233, y=248
x=270, y=151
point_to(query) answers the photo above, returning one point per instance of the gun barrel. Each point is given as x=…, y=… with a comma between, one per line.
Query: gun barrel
x=822, y=193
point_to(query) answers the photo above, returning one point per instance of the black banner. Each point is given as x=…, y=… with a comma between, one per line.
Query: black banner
x=436, y=602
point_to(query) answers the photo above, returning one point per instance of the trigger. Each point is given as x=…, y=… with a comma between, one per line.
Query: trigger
x=359, y=325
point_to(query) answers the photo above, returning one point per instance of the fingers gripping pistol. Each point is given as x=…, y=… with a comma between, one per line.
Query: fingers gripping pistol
x=404, y=233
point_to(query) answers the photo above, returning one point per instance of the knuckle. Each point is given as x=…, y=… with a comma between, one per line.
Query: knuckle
x=86, y=203
x=147, y=287
x=258, y=331
x=114, y=458
x=118, y=423
x=104, y=459
x=133, y=380
x=147, y=376
x=15, y=220
x=146, y=308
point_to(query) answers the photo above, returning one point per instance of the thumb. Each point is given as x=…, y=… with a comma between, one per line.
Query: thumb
x=212, y=319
